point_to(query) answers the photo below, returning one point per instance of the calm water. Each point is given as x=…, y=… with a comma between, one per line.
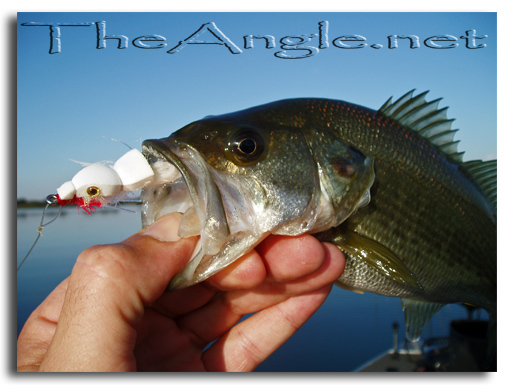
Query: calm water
x=348, y=330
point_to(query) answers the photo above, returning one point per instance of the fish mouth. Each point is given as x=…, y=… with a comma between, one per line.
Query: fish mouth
x=232, y=212
x=187, y=184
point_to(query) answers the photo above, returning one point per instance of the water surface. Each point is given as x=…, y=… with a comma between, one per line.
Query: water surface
x=348, y=330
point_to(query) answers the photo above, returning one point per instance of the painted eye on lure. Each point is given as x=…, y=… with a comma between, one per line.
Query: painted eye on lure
x=93, y=191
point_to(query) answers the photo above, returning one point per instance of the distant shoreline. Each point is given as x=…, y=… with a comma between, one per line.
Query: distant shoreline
x=26, y=204
x=29, y=204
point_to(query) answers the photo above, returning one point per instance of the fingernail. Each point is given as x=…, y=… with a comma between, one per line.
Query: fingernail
x=166, y=228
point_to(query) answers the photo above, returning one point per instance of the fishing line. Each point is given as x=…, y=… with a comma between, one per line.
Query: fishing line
x=119, y=141
x=115, y=206
x=50, y=200
x=120, y=208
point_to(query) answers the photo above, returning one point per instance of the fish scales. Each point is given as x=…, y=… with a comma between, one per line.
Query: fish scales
x=388, y=187
x=423, y=209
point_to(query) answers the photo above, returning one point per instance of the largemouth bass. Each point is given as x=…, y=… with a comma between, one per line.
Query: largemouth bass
x=388, y=187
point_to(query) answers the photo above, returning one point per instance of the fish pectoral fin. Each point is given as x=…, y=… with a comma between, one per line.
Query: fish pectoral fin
x=417, y=314
x=379, y=258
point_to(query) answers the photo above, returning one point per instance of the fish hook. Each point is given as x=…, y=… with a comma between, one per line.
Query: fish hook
x=50, y=200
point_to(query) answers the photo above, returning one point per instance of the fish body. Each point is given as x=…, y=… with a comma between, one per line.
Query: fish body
x=388, y=187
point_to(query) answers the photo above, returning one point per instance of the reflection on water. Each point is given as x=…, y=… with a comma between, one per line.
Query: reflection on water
x=57, y=249
x=348, y=330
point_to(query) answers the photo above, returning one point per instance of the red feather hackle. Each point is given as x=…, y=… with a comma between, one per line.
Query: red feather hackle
x=87, y=205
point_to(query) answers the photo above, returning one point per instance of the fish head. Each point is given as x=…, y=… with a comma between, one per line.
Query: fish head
x=238, y=178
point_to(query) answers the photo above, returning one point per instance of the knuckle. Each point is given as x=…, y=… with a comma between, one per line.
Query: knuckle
x=303, y=256
x=104, y=260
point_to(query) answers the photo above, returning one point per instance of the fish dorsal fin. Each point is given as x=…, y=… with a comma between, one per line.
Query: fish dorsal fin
x=484, y=173
x=417, y=314
x=379, y=258
x=426, y=119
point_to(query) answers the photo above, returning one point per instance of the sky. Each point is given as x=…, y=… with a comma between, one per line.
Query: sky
x=72, y=102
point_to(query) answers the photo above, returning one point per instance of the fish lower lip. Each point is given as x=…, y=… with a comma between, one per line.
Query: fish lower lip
x=195, y=194
x=189, y=224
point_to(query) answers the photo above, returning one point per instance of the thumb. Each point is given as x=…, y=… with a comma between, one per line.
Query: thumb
x=108, y=289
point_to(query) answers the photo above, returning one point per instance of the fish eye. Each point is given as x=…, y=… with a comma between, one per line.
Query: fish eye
x=247, y=145
x=93, y=191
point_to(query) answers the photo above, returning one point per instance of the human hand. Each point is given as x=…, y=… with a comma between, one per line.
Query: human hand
x=113, y=314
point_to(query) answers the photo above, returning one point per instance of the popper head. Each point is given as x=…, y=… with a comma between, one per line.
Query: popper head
x=93, y=181
x=98, y=180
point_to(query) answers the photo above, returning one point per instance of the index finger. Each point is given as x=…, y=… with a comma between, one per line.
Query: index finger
x=278, y=258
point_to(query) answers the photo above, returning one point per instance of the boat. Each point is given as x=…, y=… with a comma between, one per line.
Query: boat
x=464, y=350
